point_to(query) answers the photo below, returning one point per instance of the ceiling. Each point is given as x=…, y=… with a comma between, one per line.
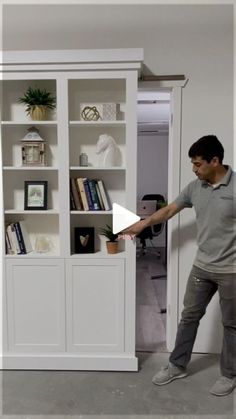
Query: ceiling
x=153, y=113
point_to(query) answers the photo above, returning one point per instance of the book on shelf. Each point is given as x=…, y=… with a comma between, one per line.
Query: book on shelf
x=72, y=201
x=10, y=241
x=8, y=244
x=99, y=195
x=28, y=245
x=83, y=196
x=17, y=239
x=77, y=203
x=88, y=195
x=104, y=195
x=13, y=239
x=94, y=194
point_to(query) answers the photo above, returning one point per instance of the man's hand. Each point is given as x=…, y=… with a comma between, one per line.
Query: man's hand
x=158, y=217
x=134, y=229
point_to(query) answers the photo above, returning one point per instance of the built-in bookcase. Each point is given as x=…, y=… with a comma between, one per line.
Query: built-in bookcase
x=76, y=310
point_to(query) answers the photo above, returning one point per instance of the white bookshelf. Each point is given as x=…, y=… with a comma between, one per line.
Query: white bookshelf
x=89, y=299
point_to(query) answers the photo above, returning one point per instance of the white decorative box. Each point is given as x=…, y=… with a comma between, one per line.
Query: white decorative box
x=107, y=111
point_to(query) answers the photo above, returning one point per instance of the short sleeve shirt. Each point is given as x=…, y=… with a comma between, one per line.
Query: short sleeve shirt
x=215, y=209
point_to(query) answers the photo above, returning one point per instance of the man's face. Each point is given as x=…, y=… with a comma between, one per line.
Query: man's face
x=202, y=169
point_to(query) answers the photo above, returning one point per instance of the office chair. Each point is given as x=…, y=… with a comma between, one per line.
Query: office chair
x=152, y=231
x=155, y=230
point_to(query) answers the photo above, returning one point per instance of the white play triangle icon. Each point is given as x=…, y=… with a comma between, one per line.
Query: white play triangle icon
x=122, y=218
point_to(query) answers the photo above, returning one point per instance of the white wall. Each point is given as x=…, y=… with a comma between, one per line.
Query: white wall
x=195, y=40
x=152, y=170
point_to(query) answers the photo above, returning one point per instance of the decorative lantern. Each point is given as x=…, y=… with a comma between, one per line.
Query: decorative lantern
x=33, y=148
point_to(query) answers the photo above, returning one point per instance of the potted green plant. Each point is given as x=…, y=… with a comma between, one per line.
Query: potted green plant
x=161, y=204
x=111, y=243
x=38, y=102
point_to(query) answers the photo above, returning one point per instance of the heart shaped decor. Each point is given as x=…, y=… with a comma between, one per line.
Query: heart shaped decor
x=84, y=240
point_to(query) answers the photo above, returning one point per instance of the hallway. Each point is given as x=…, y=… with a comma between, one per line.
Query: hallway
x=150, y=301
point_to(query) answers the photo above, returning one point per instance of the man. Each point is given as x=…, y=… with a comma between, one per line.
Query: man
x=213, y=196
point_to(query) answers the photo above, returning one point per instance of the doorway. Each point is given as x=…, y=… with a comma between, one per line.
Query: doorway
x=153, y=114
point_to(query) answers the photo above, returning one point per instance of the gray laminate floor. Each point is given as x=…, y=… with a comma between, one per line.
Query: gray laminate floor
x=150, y=301
x=113, y=395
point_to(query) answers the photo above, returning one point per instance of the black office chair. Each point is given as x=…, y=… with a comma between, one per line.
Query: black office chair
x=154, y=231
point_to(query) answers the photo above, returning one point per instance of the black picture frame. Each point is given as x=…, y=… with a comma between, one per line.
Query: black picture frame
x=84, y=240
x=35, y=195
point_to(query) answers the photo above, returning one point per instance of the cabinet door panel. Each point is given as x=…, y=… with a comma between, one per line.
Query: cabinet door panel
x=95, y=305
x=36, y=305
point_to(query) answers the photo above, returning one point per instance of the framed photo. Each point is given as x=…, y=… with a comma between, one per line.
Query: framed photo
x=36, y=195
x=84, y=240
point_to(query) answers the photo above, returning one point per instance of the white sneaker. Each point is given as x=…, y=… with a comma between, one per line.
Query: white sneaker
x=223, y=386
x=168, y=374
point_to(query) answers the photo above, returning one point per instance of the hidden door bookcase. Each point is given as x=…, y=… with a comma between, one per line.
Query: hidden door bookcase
x=64, y=310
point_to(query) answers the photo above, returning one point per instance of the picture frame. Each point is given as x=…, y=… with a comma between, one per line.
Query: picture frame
x=35, y=195
x=84, y=240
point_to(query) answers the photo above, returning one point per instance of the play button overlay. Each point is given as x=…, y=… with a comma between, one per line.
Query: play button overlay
x=122, y=218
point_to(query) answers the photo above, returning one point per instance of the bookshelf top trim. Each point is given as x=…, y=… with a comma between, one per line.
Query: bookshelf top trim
x=113, y=55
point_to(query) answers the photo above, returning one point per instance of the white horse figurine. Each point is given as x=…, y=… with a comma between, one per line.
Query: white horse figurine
x=109, y=152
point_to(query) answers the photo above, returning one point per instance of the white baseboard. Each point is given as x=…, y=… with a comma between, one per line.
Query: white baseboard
x=70, y=362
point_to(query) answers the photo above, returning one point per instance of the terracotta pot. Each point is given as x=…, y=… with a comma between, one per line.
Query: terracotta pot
x=38, y=113
x=112, y=247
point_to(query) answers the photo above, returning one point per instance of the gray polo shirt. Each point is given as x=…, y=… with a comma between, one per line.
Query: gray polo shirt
x=215, y=209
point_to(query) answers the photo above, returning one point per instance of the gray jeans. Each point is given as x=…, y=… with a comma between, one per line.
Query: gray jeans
x=201, y=287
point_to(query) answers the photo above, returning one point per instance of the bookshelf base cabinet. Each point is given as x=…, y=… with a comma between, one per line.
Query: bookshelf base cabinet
x=35, y=305
x=68, y=304
x=95, y=305
x=66, y=314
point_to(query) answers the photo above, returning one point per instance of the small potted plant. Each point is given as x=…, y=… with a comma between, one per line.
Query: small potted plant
x=38, y=102
x=161, y=204
x=111, y=243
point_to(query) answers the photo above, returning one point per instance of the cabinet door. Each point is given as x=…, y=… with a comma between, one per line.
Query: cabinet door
x=35, y=305
x=95, y=305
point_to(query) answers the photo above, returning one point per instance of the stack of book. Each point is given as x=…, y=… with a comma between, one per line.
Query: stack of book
x=17, y=239
x=88, y=195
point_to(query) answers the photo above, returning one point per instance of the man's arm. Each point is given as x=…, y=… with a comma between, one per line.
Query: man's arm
x=157, y=217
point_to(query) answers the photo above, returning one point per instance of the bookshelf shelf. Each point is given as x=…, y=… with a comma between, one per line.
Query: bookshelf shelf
x=33, y=212
x=43, y=168
x=91, y=212
x=33, y=255
x=96, y=168
x=99, y=254
x=31, y=122
x=97, y=123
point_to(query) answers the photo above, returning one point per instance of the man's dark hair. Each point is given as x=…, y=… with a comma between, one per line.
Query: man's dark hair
x=207, y=147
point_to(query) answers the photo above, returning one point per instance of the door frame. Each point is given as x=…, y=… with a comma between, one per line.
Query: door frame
x=174, y=171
